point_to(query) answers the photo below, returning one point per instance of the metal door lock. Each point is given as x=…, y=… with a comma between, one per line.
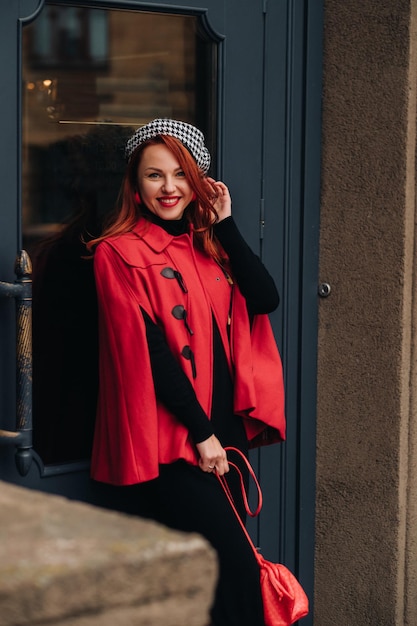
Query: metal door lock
x=324, y=290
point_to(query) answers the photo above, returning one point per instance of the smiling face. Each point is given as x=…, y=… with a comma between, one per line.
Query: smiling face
x=162, y=184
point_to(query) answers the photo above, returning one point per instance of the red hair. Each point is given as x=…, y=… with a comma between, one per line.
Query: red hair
x=200, y=213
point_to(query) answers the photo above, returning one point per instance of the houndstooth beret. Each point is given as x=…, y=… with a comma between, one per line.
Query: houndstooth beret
x=189, y=135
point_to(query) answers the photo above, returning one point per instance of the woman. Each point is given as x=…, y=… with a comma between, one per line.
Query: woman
x=188, y=362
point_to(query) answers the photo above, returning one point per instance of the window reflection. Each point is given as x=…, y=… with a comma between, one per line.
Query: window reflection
x=90, y=77
x=70, y=36
x=103, y=68
x=84, y=184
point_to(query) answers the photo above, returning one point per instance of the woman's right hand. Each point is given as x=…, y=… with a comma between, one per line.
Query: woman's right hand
x=212, y=456
x=222, y=201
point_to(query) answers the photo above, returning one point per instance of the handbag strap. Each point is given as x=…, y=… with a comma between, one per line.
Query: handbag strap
x=248, y=510
x=222, y=480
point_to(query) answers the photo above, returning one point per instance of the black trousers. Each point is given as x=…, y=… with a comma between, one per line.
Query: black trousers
x=185, y=498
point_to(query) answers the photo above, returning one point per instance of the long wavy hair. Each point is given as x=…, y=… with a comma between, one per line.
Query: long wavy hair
x=200, y=212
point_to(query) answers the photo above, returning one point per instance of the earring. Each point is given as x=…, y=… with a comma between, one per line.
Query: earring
x=138, y=198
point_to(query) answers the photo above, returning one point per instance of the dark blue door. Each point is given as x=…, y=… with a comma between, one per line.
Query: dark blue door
x=77, y=74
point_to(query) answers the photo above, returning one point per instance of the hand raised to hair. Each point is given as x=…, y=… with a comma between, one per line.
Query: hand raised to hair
x=212, y=456
x=223, y=201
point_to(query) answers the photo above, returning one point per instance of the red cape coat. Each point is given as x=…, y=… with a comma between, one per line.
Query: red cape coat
x=134, y=432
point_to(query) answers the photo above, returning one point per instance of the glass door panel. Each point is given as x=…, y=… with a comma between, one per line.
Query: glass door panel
x=90, y=77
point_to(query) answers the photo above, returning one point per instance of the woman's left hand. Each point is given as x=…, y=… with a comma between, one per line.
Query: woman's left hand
x=223, y=201
x=213, y=456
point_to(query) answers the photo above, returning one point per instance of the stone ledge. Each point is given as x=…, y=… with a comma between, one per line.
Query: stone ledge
x=65, y=562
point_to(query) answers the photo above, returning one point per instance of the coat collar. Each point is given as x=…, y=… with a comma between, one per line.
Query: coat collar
x=156, y=237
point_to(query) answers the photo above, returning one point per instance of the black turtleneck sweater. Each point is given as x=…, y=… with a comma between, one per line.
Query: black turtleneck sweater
x=172, y=386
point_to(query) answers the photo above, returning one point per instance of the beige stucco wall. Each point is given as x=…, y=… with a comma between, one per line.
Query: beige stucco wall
x=367, y=435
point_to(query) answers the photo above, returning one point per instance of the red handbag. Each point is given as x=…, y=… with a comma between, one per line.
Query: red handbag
x=284, y=599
